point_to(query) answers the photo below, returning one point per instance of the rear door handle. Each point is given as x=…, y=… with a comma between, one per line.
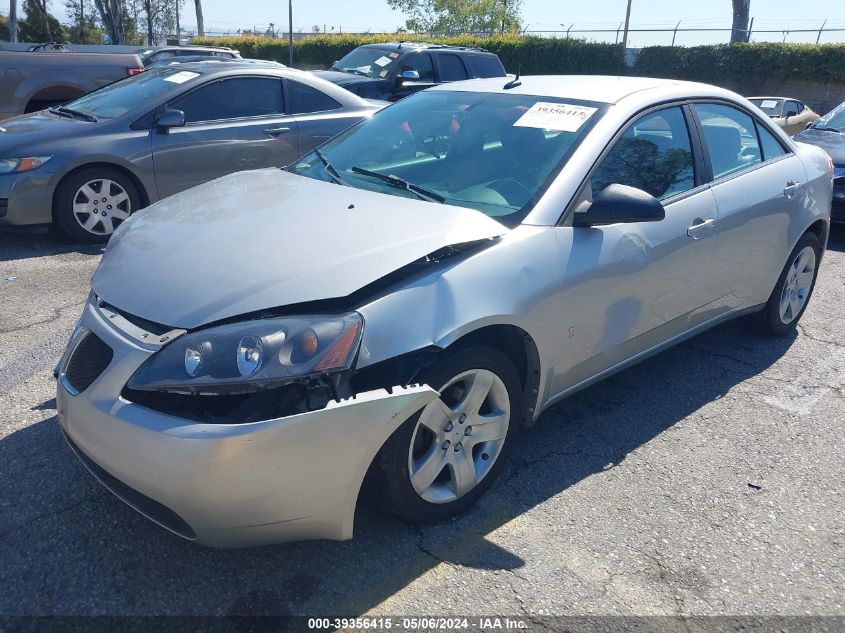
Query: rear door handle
x=791, y=188
x=274, y=131
x=701, y=228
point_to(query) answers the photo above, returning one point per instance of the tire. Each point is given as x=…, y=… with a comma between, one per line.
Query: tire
x=792, y=292
x=75, y=207
x=414, y=444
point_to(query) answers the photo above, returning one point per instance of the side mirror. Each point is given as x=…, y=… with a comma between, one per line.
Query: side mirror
x=169, y=119
x=411, y=75
x=620, y=203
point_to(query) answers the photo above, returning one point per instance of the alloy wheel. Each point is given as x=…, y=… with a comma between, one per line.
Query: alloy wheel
x=459, y=436
x=100, y=206
x=797, y=285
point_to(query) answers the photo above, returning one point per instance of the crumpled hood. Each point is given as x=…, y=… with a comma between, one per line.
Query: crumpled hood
x=263, y=239
x=831, y=142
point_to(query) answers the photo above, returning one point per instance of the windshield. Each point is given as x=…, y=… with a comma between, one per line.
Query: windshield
x=122, y=96
x=833, y=120
x=772, y=107
x=495, y=153
x=370, y=62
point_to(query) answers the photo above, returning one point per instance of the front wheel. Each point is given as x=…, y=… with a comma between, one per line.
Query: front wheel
x=793, y=290
x=91, y=203
x=440, y=462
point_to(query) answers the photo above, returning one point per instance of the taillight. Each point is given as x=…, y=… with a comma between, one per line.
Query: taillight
x=134, y=71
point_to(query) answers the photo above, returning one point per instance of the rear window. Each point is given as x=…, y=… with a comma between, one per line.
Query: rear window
x=486, y=66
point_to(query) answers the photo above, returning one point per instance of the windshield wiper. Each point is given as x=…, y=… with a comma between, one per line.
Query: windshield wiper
x=826, y=129
x=63, y=111
x=330, y=170
x=396, y=181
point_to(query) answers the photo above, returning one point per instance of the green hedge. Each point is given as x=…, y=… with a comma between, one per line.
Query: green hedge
x=719, y=64
x=732, y=63
x=535, y=55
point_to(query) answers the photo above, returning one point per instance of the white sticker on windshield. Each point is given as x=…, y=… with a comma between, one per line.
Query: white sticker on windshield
x=768, y=104
x=182, y=77
x=560, y=117
x=383, y=61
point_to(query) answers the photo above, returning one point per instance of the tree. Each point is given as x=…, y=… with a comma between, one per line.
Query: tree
x=741, y=14
x=84, y=23
x=460, y=16
x=200, y=21
x=159, y=18
x=112, y=14
x=39, y=25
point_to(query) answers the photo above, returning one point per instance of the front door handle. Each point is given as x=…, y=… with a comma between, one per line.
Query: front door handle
x=791, y=188
x=275, y=131
x=701, y=228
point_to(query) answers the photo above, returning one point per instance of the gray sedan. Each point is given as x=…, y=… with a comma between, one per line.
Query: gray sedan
x=390, y=310
x=91, y=163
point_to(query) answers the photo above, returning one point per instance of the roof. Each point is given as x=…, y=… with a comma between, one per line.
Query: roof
x=416, y=46
x=598, y=88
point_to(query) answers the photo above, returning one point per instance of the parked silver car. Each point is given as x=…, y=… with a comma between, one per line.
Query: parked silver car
x=89, y=164
x=393, y=307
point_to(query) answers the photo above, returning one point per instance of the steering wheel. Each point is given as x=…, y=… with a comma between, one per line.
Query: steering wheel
x=511, y=190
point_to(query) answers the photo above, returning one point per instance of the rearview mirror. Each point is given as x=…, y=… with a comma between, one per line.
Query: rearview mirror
x=170, y=118
x=620, y=203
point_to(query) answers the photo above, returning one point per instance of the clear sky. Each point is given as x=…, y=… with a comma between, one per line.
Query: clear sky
x=538, y=15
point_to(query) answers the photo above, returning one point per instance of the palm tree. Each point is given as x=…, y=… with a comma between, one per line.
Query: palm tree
x=200, y=25
x=742, y=11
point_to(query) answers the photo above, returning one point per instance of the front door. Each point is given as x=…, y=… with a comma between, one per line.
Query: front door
x=630, y=286
x=231, y=125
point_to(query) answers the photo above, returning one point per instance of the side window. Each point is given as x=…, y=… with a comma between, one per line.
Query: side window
x=232, y=99
x=419, y=62
x=792, y=108
x=451, y=67
x=730, y=136
x=654, y=154
x=771, y=147
x=486, y=66
x=305, y=99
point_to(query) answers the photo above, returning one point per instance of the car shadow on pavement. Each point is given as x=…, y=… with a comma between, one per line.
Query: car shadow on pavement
x=16, y=244
x=70, y=547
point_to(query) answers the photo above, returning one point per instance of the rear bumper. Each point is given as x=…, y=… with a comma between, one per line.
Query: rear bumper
x=229, y=485
x=837, y=210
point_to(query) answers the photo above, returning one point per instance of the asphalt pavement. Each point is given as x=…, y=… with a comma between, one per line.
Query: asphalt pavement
x=706, y=480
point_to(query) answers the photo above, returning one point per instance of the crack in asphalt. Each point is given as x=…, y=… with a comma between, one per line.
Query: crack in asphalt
x=38, y=517
x=802, y=329
x=57, y=314
x=518, y=465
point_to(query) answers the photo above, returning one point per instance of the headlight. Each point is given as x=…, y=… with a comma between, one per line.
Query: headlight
x=252, y=355
x=9, y=165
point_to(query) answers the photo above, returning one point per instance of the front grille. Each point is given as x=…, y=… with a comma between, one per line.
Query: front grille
x=89, y=359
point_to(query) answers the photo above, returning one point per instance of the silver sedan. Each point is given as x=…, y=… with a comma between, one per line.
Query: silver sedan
x=389, y=311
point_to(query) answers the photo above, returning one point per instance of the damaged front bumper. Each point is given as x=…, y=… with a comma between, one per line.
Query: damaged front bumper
x=227, y=485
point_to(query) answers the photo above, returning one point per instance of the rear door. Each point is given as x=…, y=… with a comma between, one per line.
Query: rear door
x=759, y=185
x=232, y=124
x=450, y=67
x=318, y=116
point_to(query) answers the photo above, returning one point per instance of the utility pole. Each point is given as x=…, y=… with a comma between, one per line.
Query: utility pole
x=627, y=23
x=178, y=30
x=290, y=33
x=504, y=15
x=13, y=20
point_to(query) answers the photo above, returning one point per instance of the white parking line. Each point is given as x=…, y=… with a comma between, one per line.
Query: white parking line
x=812, y=385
